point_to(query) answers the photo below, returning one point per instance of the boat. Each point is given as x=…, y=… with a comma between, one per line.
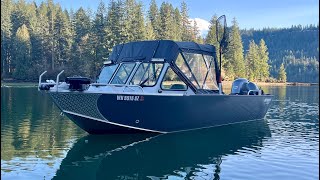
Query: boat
x=158, y=86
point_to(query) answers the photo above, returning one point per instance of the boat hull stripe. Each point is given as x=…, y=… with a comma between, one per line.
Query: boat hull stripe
x=109, y=122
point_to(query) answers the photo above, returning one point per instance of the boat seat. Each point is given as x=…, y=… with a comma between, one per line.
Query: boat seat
x=178, y=86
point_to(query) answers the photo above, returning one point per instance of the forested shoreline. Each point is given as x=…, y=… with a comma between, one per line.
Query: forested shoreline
x=38, y=37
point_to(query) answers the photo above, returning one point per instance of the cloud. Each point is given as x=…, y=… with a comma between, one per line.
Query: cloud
x=202, y=24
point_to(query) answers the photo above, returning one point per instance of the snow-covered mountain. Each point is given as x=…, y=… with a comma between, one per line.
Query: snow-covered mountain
x=202, y=24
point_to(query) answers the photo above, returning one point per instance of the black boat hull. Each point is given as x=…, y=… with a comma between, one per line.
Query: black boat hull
x=122, y=113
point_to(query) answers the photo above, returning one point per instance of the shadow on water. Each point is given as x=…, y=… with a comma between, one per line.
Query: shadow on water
x=144, y=156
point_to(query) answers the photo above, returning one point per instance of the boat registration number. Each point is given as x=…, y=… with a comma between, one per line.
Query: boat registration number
x=129, y=98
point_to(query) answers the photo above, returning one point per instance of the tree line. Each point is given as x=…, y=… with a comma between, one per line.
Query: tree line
x=42, y=37
x=38, y=37
x=296, y=48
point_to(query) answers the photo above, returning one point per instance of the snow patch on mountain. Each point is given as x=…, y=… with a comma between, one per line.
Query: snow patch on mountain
x=203, y=25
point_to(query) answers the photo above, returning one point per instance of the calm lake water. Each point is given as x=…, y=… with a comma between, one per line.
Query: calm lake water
x=38, y=143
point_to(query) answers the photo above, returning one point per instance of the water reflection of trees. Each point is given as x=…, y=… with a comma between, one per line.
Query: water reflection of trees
x=295, y=111
x=187, y=154
x=31, y=125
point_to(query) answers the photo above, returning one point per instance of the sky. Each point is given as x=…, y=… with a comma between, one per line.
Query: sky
x=255, y=14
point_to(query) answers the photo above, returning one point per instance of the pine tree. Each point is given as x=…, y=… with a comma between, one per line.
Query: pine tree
x=99, y=38
x=6, y=33
x=264, y=58
x=211, y=36
x=62, y=38
x=19, y=16
x=234, y=53
x=22, y=50
x=186, y=27
x=150, y=35
x=51, y=16
x=167, y=21
x=196, y=33
x=82, y=46
x=154, y=17
x=252, y=61
x=115, y=29
x=43, y=31
x=177, y=25
x=282, y=77
x=40, y=42
x=134, y=21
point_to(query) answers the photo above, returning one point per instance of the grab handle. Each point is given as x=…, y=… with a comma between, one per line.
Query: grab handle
x=40, y=77
x=57, y=82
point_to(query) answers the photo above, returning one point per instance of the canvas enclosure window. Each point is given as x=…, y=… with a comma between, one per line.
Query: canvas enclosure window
x=147, y=74
x=123, y=73
x=199, y=69
x=106, y=73
x=180, y=62
x=211, y=79
x=171, y=81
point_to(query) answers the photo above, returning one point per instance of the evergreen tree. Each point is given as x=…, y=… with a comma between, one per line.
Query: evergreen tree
x=134, y=21
x=196, y=33
x=150, y=35
x=252, y=61
x=154, y=17
x=6, y=33
x=211, y=36
x=62, y=38
x=51, y=16
x=115, y=29
x=234, y=53
x=167, y=21
x=99, y=39
x=186, y=27
x=282, y=74
x=22, y=50
x=82, y=46
x=19, y=16
x=42, y=51
x=177, y=25
x=263, y=64
x=39, y=41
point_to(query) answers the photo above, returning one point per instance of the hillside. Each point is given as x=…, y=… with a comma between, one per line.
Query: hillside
x=297, y=47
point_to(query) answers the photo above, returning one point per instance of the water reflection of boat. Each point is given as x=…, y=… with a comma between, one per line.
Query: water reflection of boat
x=141, y=156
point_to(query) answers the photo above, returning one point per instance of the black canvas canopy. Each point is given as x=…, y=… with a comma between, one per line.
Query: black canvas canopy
x=166, y=49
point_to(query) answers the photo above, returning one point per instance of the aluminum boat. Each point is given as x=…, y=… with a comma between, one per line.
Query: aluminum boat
x=157, y=86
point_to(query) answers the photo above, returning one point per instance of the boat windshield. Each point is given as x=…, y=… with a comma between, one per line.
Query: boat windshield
x=147, y=74
x=106, y=73
x=199, y=69
x=123, y=73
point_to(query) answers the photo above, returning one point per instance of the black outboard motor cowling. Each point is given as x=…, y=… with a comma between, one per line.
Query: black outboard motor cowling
x=78, y=83
x=242, y=86
x=254, y=88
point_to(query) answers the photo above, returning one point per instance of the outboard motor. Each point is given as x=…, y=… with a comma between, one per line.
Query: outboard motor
x=242, y=86
x=78, y=83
